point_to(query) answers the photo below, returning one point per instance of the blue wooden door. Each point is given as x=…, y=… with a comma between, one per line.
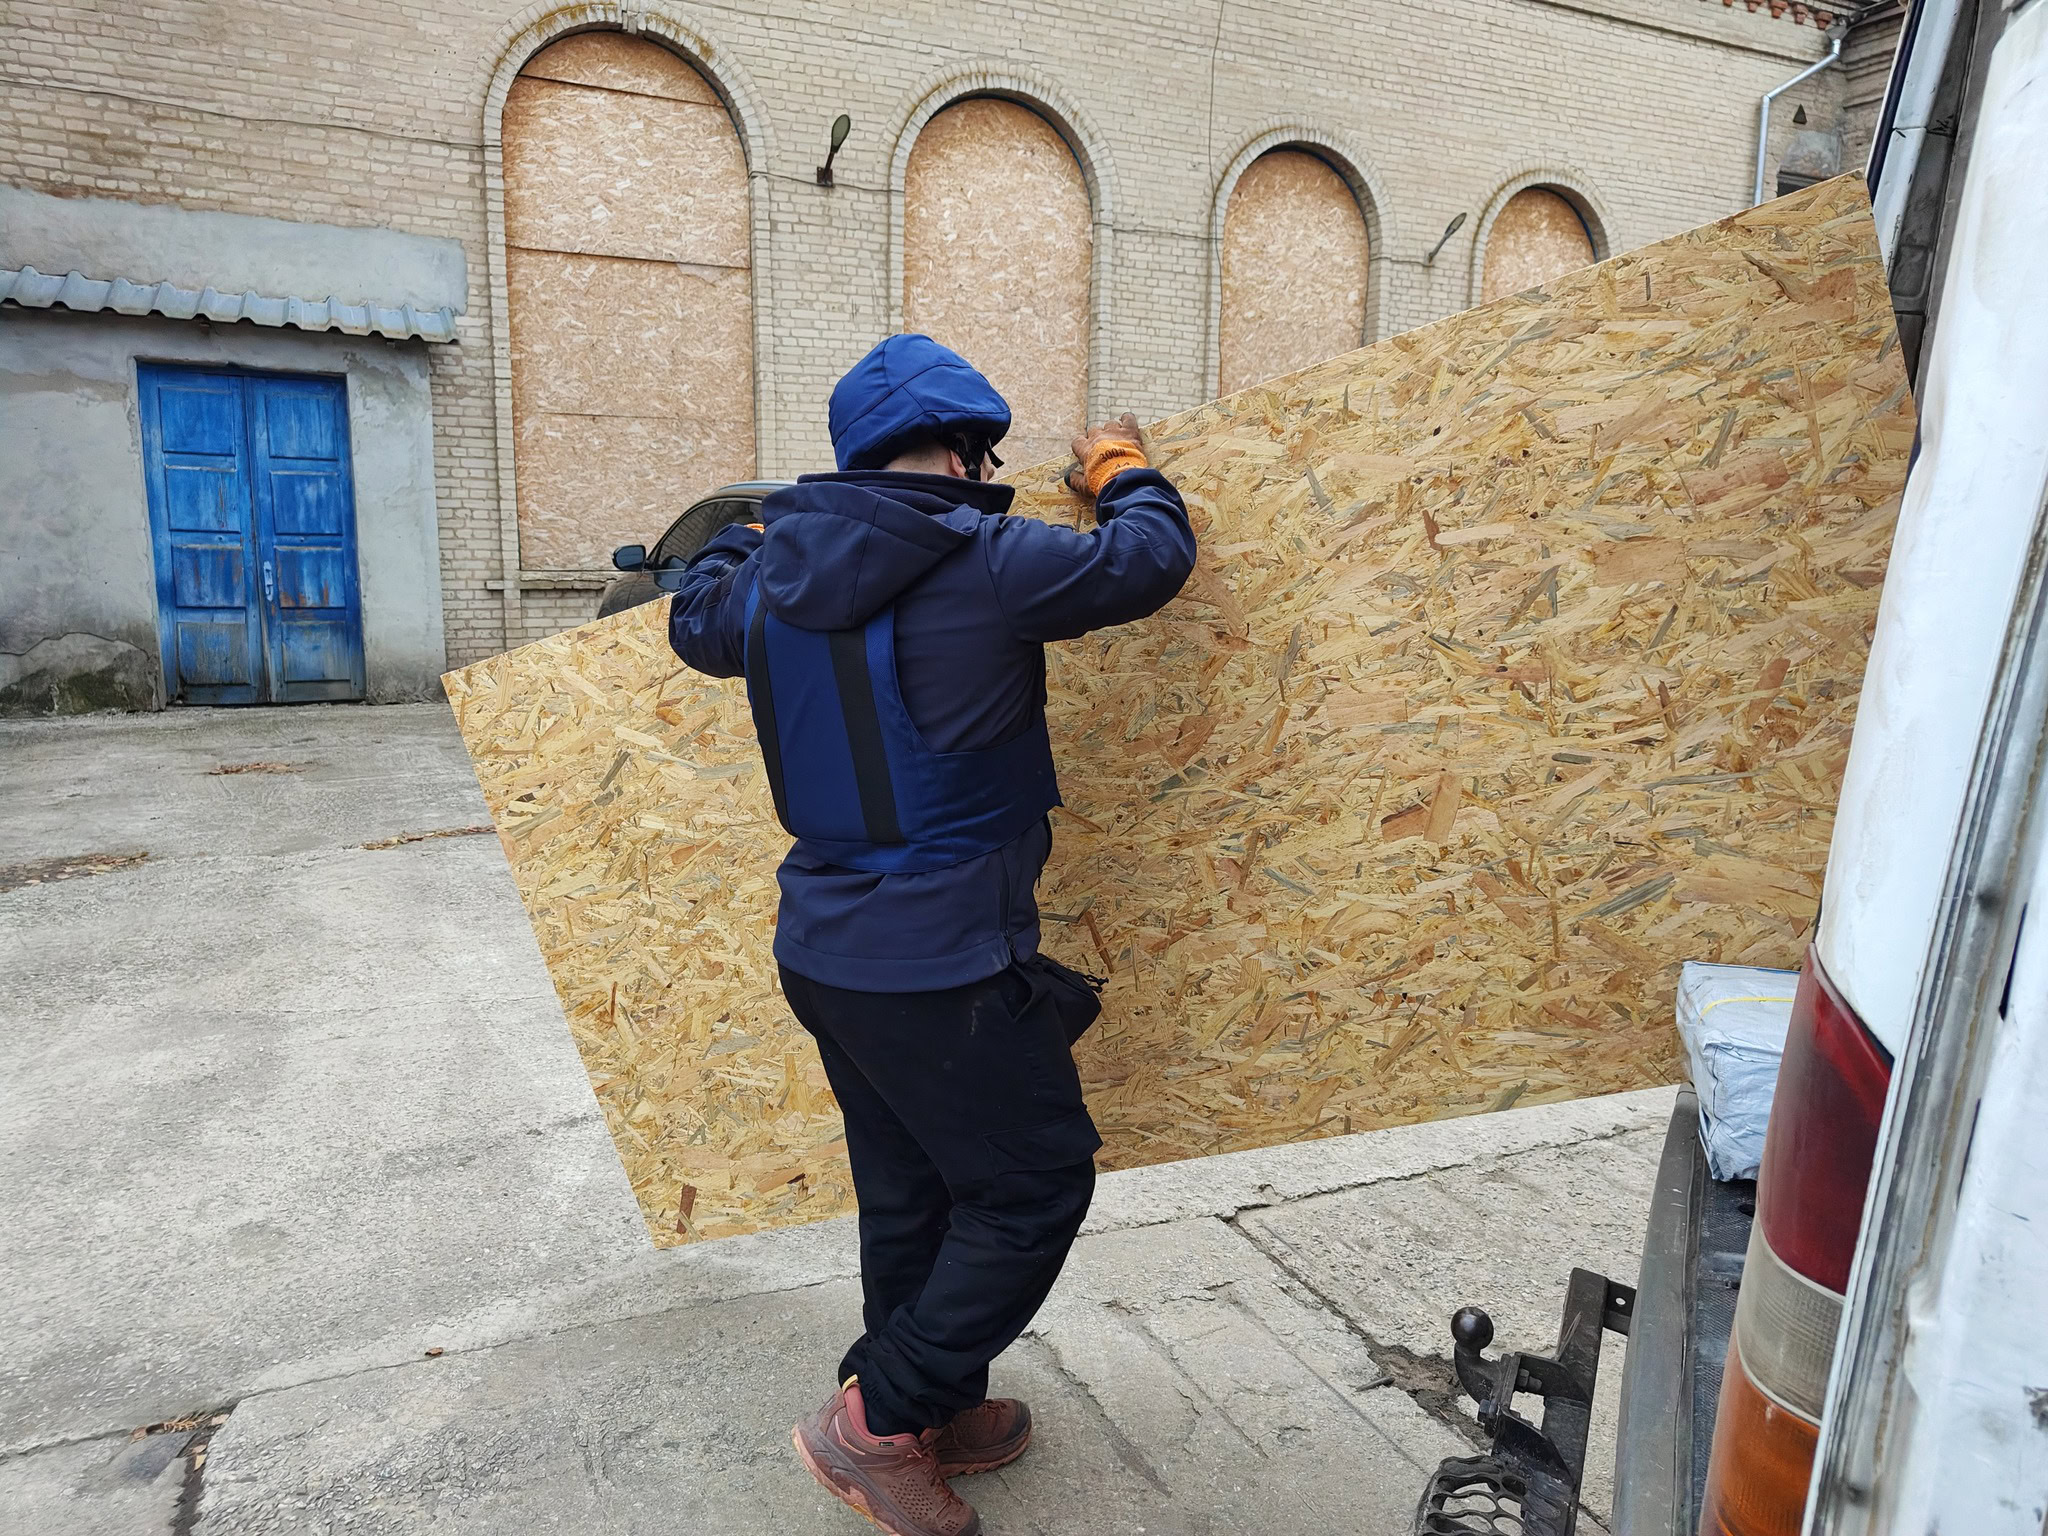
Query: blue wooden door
x=203, y=526
x=252, y=511
x=306, y=537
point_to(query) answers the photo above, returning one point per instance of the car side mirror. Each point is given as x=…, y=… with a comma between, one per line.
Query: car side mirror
x=630, y=557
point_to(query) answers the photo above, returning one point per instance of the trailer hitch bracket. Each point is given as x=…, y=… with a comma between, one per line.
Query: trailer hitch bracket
x=1527, y=1484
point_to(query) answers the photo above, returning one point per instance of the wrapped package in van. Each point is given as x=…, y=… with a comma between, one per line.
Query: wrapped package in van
x=1733, y=1020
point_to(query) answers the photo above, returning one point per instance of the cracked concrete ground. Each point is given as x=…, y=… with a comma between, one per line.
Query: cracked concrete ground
x=281, y=1114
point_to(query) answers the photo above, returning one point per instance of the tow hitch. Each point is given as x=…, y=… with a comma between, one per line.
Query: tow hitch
x=1528, y=1483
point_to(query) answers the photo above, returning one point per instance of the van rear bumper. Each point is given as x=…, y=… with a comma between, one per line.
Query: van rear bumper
x=1678, y=1345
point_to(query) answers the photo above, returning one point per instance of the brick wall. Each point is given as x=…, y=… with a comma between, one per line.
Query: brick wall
x=1867, y=55
x=379, y=112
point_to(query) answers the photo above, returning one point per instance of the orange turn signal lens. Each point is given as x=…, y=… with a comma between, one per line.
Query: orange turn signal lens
x=1761, y=1463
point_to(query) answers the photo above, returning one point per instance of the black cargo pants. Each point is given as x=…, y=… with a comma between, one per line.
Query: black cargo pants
x=973, y=1161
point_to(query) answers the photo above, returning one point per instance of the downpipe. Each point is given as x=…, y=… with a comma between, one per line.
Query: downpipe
x=1763, y=110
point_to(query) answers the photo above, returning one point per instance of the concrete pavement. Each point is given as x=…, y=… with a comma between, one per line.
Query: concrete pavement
x=269, y=1098
x=282, y=1113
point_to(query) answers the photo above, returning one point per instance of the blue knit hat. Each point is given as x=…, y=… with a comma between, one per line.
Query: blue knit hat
x=907, y=390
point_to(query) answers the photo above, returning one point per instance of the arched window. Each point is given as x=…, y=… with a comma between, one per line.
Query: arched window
x=631, y=304
x=1294, y=269
x=998, y=246
x=1538, y=237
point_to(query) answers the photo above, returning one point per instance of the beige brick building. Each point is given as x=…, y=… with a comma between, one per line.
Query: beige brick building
x=1637, y=116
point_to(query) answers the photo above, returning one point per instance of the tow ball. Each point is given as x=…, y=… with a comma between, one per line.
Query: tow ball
x=1527, y=1483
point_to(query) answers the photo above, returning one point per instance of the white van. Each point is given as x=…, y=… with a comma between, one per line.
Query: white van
x=1858, y=1343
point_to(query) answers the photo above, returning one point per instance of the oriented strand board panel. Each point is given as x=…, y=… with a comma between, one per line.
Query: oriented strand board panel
x=630, y=295
x=639, y=339
x=998, y=248
x=1537, y=238
x=639, y=471
x=1519, y=666
x=598, y=59
x=605, y=172
x=1294, y=269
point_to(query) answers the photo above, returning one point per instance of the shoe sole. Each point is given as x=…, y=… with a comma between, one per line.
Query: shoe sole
x=852, y=1494
x=996, y=1456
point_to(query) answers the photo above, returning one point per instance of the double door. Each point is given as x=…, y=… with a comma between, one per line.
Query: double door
x=252, y=520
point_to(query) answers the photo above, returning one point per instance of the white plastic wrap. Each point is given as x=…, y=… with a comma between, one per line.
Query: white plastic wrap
x=1733, y=1020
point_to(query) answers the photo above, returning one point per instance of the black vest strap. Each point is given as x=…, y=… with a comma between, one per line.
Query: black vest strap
x=864, y=734
x=761, y=696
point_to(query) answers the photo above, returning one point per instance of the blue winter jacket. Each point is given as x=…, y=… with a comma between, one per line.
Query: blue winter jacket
x=978, y=594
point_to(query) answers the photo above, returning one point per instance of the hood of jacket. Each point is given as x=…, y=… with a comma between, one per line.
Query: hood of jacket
x=837, y=549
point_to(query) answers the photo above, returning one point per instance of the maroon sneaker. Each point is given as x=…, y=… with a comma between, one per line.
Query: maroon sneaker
x=989, y=1435
x=892, y=1479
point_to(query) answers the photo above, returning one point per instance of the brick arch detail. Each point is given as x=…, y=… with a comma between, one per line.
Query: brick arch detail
x=942, y=89
x=1350, y=162
x=518, y=41
x=1573, y=186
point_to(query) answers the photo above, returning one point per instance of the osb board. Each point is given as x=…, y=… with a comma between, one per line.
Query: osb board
x=590, y=483
x=615, y=173
x=611, y=61
x=998, y=248
x=1518, y=667
x=610, y=336
x=1536, y=239
x=628, y=275
x=1295, y=263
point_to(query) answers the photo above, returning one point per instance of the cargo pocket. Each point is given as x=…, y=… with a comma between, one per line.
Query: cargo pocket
x=1076, y=996
x=1060, y=1143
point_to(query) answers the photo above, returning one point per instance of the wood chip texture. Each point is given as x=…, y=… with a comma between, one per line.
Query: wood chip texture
x=1537, y=238
x=1295, y=264
x=998, y=251
x=1519, y=666
x=627, y=269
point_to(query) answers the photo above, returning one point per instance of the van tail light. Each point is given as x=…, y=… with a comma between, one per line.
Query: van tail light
x=1762, y=1459
x=1817, y=1157
x=1823, y=1133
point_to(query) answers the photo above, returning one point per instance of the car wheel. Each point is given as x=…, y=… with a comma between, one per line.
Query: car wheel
x=628, y=591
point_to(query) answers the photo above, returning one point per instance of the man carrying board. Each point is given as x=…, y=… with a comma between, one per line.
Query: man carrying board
x=890, y=622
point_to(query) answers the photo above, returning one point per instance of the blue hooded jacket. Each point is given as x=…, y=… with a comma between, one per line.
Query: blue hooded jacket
x=909, y=389
x=978, y=594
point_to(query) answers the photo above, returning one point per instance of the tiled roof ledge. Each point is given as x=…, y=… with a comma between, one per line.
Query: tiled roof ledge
x=139, y=259
x=1800, y=14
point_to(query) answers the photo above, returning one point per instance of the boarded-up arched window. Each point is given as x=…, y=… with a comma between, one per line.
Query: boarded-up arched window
x=1294, y=269
x=627, y=256
x=1539, y=236
x=998, y=243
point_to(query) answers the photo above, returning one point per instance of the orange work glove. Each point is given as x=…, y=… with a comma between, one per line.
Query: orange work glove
x=1105, y=452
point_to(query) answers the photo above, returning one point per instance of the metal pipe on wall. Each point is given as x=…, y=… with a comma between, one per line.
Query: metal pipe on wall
x=1763, y=110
